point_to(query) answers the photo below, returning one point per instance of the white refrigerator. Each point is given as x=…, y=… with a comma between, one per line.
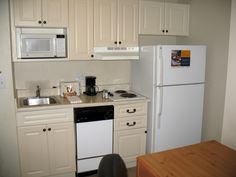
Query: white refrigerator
x=173, y=77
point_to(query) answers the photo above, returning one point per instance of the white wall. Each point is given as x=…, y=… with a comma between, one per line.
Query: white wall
x=229, y=123
x=9, y=164
x=107, y=72
x=209, y=25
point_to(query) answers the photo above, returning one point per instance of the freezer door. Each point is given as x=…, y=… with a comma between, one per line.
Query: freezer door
x=178, y=120
x=179, y=64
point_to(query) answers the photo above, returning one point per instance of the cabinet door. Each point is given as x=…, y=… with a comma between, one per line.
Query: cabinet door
x=27, y=12
x=151, y=17
x=33, y=151
x=128, y=22
x=130, y=144
x=61, y=145
x=177, y=19
x=55, y=13
x=105, y=23
x=81, y=29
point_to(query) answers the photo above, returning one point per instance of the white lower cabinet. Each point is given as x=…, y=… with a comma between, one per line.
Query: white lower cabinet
x=130, y=144
x=130, y=131
x=47, y=149
x=33, y=148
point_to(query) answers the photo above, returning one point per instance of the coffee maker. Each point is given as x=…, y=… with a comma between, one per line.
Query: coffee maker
x=90, y=83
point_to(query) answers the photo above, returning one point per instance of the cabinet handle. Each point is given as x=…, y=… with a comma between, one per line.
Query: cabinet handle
x=163, y=31
x=92, y=56
x=128, y=111
x=44, y=129
x=40, y=22
x=145, y=131
x=115, y=42
x=49, y=129
x=167, y=31
x=44, y=22
x=130, y=125
x=119, y=42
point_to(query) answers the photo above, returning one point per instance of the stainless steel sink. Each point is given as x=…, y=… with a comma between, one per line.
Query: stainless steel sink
x=36, y=101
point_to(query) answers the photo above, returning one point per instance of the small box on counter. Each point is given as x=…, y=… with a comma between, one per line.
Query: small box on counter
x=69, y=88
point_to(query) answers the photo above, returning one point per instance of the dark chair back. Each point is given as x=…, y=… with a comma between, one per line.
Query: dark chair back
x=112, y=165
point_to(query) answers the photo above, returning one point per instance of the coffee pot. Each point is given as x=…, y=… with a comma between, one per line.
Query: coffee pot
x=90, y=84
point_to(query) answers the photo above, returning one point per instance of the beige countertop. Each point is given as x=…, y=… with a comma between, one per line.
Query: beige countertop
x=87, y=101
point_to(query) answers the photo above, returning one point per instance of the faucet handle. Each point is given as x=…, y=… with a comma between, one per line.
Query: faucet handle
x=38, y=91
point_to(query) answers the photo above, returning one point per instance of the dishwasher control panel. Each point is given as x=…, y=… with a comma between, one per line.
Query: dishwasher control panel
x=90, y=114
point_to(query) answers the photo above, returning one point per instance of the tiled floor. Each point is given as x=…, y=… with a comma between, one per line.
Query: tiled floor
x=131, y=173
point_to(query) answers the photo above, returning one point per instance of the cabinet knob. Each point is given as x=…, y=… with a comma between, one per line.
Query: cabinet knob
x=40, y=22
x=130, y=125
x=49, y=129
x=128, y=111
x=92, y=56
x=163, y=31
x=44, y=22
x=145, y=131
x=167, y=31
x=115, y=42
x=44, y=129
x=119, y=42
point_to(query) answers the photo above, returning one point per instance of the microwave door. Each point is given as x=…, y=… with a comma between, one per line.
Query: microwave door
x=38, y=46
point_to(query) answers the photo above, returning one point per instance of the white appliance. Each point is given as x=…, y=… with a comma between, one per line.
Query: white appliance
x=94, y=136
x=35, y=43
x=173, y=77
x=116, y=53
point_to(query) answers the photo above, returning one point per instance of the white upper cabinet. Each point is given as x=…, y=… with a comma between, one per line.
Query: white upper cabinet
x=105, y=22
x=176, y=19
x=128, y=22
x=151, y=17
x=80, y=29
x=159, y=18
x=38, y=13
x=115, y=23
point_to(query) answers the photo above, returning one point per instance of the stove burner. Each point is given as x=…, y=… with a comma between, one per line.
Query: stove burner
x=128, y=95
x=120, y=91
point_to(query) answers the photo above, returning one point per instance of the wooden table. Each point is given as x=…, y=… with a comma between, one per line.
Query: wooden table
x=208, y=159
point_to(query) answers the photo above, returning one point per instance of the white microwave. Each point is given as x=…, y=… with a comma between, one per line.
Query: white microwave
x=39, y=43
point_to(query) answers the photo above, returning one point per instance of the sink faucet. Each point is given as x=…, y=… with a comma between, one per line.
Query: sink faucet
x=38, y=91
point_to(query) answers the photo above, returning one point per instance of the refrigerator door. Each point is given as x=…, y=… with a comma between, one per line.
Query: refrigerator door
x=180, y=64
x=178, y=118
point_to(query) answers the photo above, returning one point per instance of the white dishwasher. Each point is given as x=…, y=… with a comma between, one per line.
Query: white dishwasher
x=94, y=135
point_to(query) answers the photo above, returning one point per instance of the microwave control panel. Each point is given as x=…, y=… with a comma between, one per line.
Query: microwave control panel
x=60, y=45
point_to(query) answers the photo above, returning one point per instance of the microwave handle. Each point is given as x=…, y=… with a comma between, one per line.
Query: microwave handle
x=54, y=47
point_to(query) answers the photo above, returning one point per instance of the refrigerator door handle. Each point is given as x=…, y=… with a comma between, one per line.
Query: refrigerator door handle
x=160, y=68
x=160, y=101
x=160, y=106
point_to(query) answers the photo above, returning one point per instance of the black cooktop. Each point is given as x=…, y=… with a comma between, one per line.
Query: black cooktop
x=120, y=91
x=128, y=95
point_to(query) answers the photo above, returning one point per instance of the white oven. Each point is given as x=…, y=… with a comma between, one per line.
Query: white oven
x=94, y=135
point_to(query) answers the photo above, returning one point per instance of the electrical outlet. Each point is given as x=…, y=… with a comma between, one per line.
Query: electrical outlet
x=2, y=82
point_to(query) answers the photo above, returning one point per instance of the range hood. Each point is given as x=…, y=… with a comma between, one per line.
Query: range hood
x=116, y=53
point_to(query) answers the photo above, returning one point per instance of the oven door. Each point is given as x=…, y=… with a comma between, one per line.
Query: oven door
x=94, y=140
x=37, y=46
